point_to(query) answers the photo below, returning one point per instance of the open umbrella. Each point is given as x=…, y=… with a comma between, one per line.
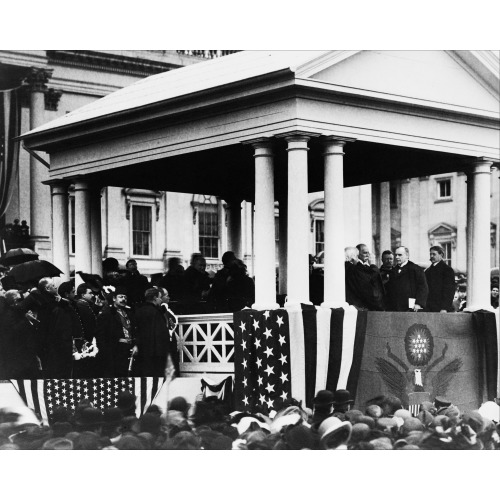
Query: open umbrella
x=34, y=271
x=18, y=256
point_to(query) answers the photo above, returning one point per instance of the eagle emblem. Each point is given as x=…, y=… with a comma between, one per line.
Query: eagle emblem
x=403, y=380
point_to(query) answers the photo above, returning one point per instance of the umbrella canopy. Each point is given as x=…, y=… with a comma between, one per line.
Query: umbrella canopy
x=18, y=256
x=34, y=271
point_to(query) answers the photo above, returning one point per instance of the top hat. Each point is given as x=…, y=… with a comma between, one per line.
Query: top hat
x=342, y=397
x=324, y=398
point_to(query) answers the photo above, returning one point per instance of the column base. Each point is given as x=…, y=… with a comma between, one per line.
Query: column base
x=262, y=306
x=474, y=308
x=116, y=252
x=296, y=306
x=335, y=305
x=42, y=245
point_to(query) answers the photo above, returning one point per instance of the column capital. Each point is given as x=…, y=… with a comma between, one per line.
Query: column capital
x=263, y=146
x=335, y=145
x=233, y=203
x=37, y=79
x=59, y=188
x=52, y=97
x=81, y=185
x=480, y=165
x=297, y=136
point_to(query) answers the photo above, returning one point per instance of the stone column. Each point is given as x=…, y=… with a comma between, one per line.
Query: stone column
x=60, y=228
x=233, y=211
x=470, y=223
x=83, y=252
x=283, y=245
x=478, y=285
x=406, y=215
x=265, y=271
x=40, y=223
x=95, y=230
x=297, y=222
x=334, y=223
x=385, y=217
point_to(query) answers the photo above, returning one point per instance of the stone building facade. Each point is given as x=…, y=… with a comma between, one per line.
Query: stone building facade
x=152, y=226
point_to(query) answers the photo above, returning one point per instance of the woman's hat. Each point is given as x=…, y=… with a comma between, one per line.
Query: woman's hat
x=333, y=433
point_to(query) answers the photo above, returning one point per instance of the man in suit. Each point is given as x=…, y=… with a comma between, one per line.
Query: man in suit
x=407, y=289
x=373, y=277
x=441, y=282
x=152, y=335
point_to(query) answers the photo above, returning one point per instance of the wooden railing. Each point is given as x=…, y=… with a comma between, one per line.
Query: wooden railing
x=206, y=344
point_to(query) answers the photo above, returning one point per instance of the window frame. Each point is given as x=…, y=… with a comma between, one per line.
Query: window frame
x=133, y=206
x=439, y=182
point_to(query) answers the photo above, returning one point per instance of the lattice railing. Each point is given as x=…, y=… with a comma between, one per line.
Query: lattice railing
x=206, y=343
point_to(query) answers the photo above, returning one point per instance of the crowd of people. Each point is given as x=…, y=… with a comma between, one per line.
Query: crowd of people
x=331, y=424
x=116, y=326
x=399, y=284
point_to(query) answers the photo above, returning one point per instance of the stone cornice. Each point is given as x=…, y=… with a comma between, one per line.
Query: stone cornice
x=108, y=62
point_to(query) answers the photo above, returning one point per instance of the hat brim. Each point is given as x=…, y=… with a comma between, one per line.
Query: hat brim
x=343, y=427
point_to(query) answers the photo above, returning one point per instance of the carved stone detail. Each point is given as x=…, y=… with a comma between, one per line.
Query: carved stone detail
x=52, y=97
x=38, y=78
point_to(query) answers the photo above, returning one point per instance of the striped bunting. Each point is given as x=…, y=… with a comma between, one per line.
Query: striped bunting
x=281, y=354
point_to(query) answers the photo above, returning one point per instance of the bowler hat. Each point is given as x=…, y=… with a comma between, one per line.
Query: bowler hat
x=333, y=433
x=299, y=437
x=342, y=397
x=323, y=398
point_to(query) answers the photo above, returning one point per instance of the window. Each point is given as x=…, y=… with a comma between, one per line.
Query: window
x=445, y=236
x=319, y=236
x=447, y=252
x=141, y=230
x=208, y=217
x=444, y=189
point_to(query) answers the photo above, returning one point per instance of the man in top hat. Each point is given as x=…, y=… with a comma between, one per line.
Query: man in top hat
x=441, y=282
x=115, y=336
x=152, y=335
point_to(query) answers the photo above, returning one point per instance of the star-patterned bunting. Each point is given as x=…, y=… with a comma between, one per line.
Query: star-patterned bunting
x=262, y=375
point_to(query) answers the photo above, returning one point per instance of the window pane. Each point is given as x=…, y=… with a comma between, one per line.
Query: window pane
x=141, y=230
x=447, y=253
x=320, y=236
x=208, y=217
x=445, y=189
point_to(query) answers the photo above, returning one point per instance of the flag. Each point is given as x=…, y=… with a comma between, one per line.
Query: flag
x=282, y=354
x=43, y=396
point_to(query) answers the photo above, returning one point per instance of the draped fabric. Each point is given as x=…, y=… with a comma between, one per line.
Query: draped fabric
x=10, y=127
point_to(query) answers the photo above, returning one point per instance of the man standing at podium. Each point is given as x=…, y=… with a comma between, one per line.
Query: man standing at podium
x=407, y=289
x=441, y=281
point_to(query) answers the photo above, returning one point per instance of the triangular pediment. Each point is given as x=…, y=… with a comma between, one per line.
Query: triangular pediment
x=438, y=77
